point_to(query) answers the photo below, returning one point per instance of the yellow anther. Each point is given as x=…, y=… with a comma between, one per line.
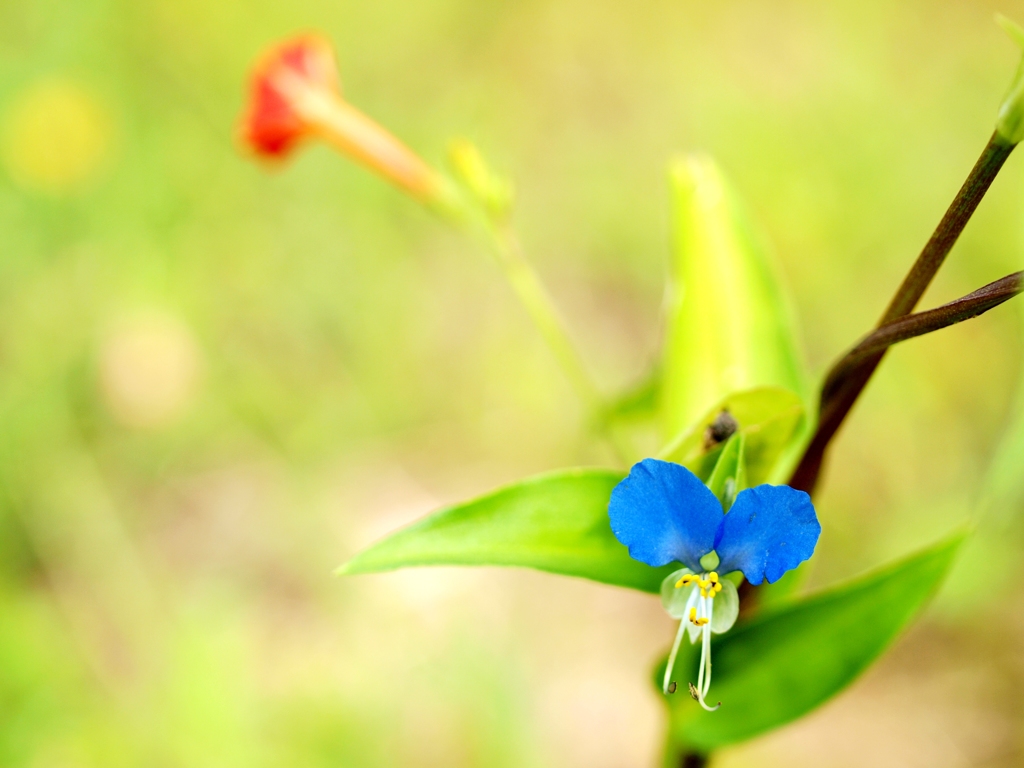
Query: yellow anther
x=686, y=580
x=703, y=593
x=713, y=577
x=694, y=620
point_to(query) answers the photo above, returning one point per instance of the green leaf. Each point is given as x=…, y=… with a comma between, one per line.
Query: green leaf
x=729, y=475
x=730, y=327
x=787, y=661
x=785, y=590
x=769, y=419
x=556, y=522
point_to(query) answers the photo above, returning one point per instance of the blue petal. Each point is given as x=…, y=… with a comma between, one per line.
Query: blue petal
x=663, y=513
x=769, y=530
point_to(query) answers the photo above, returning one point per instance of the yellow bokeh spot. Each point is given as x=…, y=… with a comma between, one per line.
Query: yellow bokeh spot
x=55, y=136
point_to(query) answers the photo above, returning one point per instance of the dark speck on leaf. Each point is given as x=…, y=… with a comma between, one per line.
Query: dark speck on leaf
x=721, y=429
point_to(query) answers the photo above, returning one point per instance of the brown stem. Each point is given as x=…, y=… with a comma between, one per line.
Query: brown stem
x=920, y=323
x=846, y=389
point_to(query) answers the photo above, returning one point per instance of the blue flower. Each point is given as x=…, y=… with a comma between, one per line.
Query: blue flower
x=663, y=513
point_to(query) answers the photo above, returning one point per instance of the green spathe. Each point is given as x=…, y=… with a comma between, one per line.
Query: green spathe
x=730, y=326
x=769, y=418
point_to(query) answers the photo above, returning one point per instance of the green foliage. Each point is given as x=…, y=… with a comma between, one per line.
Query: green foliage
x=1010, y=123
x=556, y=522
x=339, y=326
x=785, y=589
x=729, y=326
x=787, y=661
x=492, y=191
x=640, y=401
x=769, y=419
x=729, y=475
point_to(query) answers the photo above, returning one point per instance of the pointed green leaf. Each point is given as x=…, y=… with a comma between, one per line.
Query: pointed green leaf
x=556, y=522
x=770, y=419
x=729, y=325
x=729, y=475
x=788, y=660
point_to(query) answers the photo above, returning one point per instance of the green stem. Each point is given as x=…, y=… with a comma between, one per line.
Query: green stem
x=539, y=306
x=847, y=388
x=541, y=309
x=470, y=213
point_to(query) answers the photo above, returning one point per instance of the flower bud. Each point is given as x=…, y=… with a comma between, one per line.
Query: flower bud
x=295, y=94
x=1010, y=123
x=472, y=170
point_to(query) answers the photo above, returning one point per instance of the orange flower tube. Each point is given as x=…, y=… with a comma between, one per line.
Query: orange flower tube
x=295, y=94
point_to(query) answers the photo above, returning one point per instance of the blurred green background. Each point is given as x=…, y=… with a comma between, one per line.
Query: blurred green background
x=218, y=382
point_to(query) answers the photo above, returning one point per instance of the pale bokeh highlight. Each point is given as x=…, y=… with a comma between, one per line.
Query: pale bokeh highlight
x=149, y=369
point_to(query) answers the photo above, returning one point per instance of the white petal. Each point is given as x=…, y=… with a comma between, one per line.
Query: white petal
x=727, y=608
x=673, y=600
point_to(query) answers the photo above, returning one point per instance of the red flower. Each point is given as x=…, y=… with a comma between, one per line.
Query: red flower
x=294, y=94
x=273, y=124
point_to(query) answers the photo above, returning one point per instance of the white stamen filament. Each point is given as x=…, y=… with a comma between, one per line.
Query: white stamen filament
x=702, y=608
x=701, y=613
x=672, y=656
x=704, y=675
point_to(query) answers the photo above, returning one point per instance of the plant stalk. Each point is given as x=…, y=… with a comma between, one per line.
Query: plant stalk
x=847, y=387
x=921, y=323
x=541, y=309
x=538, y=304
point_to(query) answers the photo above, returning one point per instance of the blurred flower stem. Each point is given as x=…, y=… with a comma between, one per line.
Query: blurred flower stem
x=487, y=209
x=295, y=95
x=356, y=135
x=538, y=304
x=504, y=244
